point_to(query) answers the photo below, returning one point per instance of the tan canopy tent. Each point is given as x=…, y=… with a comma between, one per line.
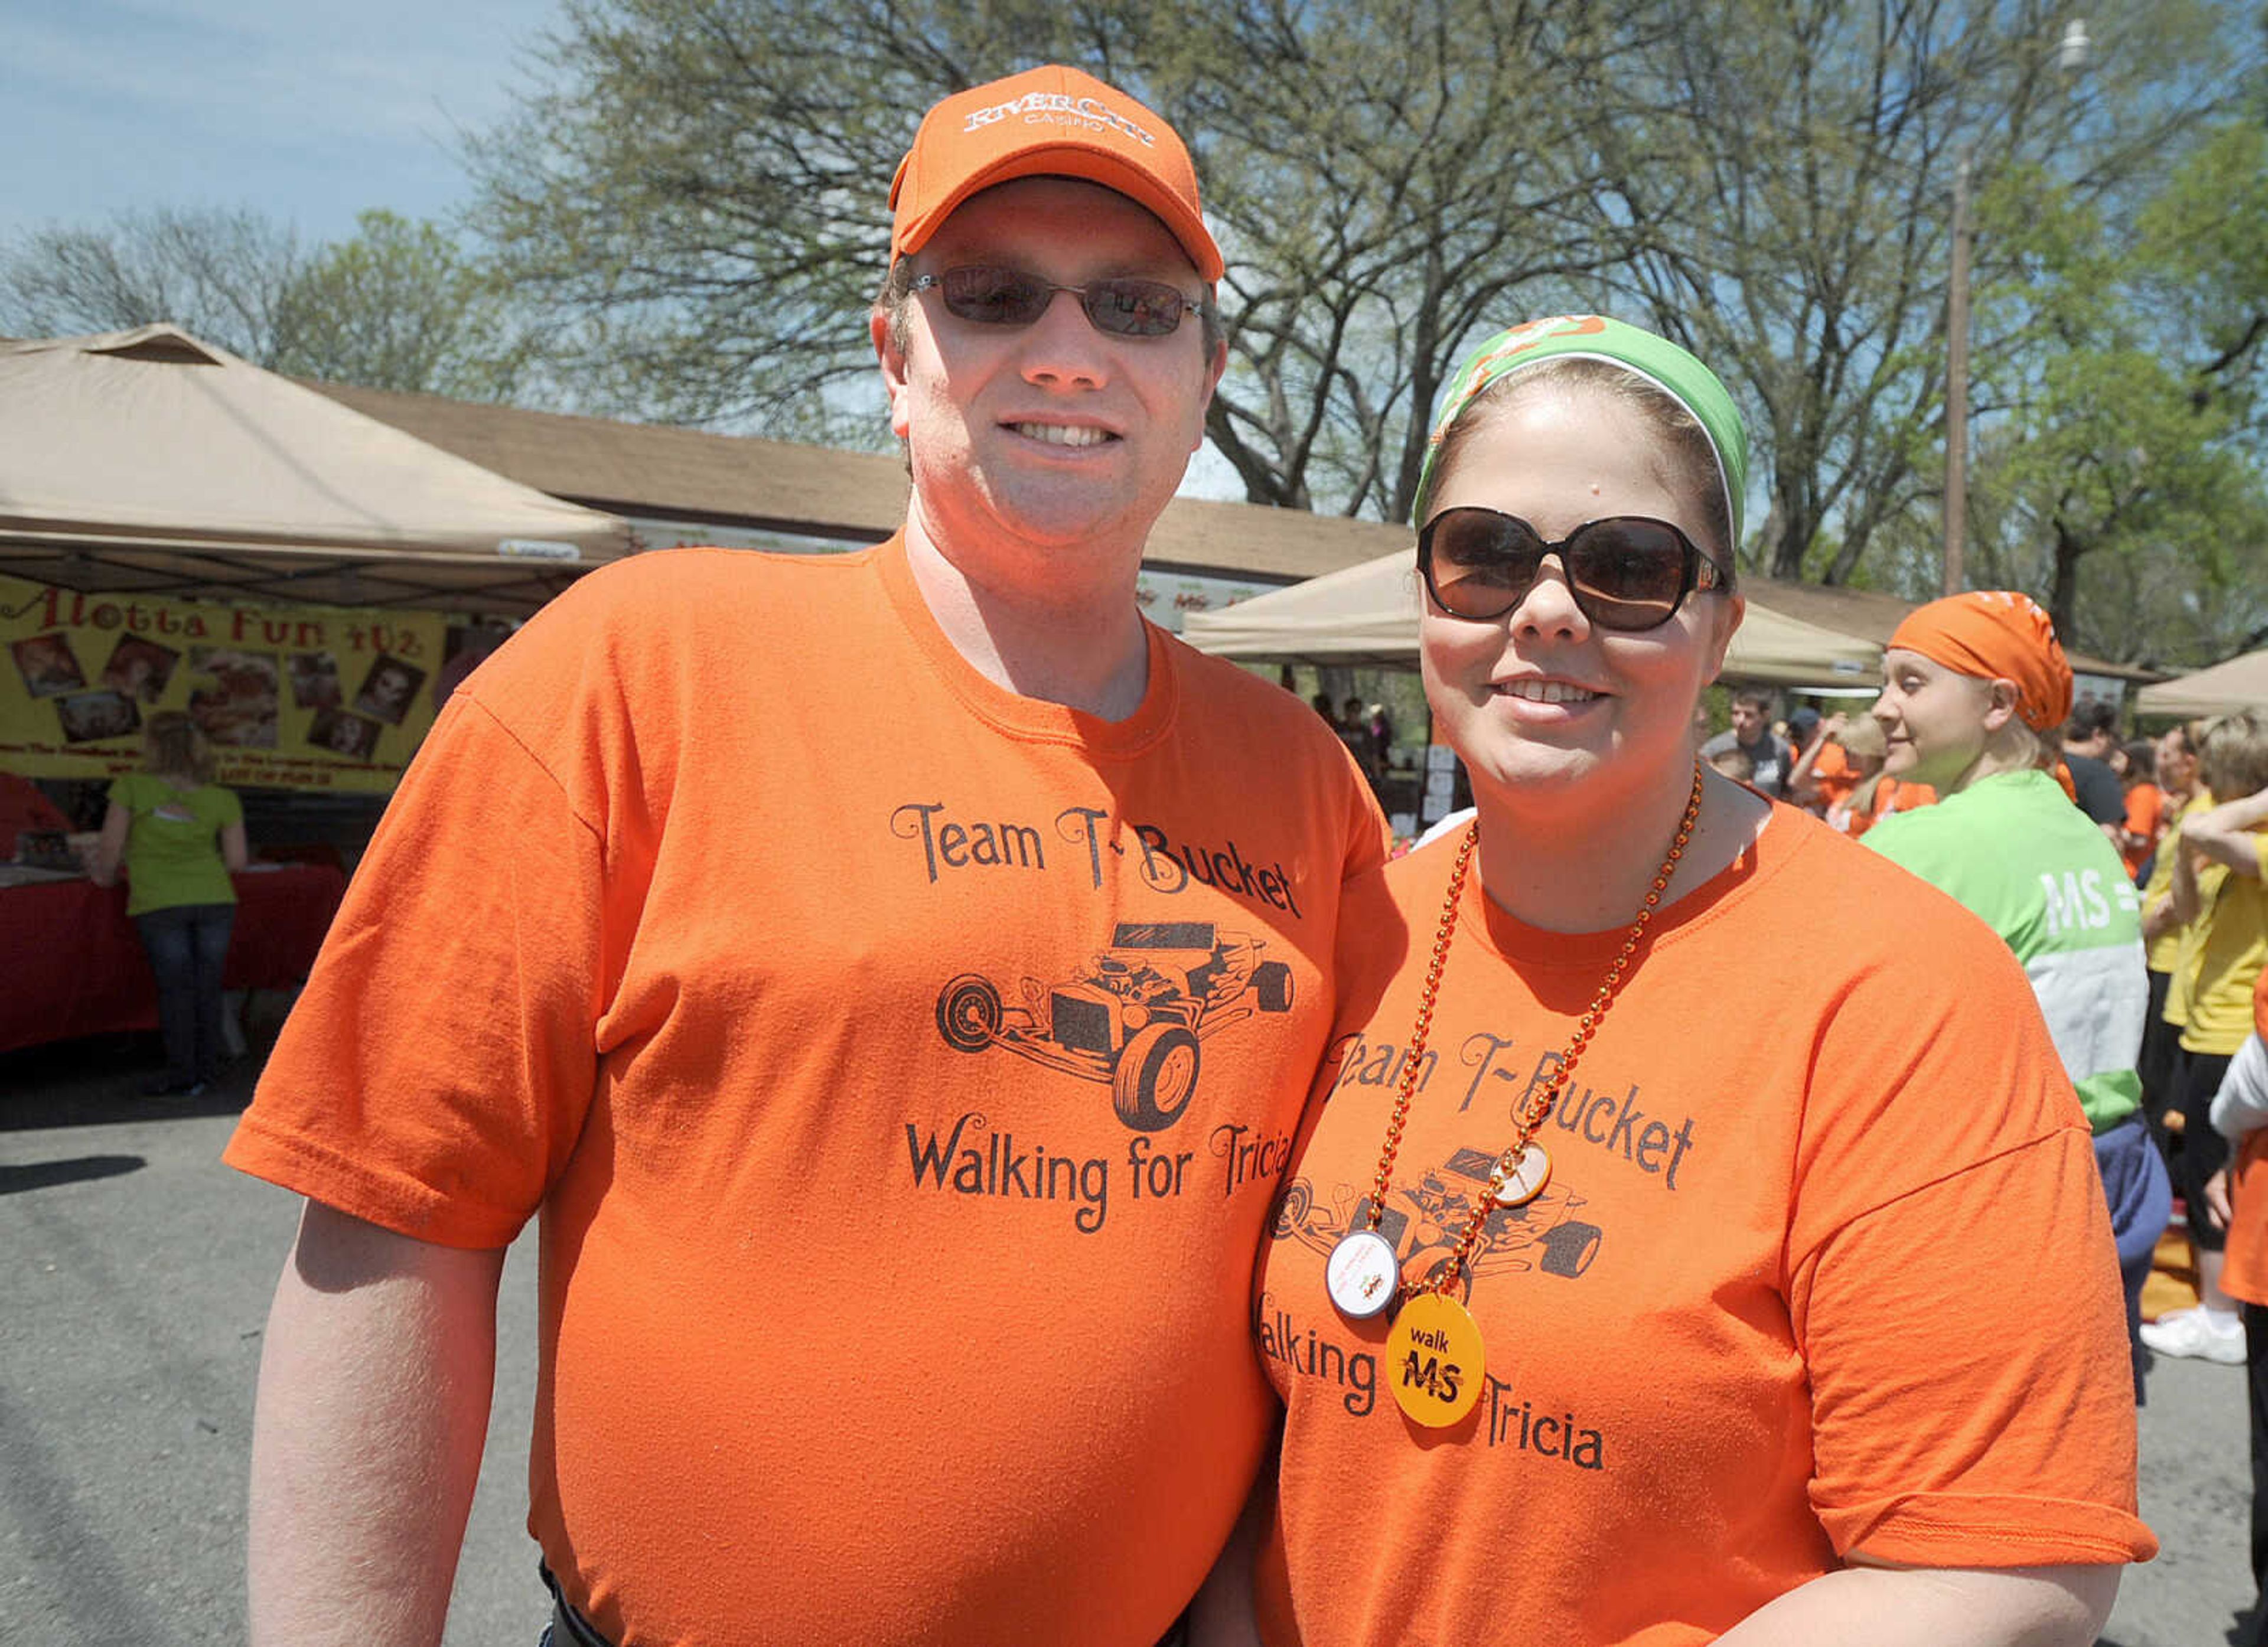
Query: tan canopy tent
x=2241, y=683
x=147, y=461
x=1368, y=615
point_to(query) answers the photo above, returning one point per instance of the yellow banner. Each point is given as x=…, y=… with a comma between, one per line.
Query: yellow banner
x=291, y=697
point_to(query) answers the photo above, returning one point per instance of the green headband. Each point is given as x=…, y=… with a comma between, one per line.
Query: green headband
x=1595, y=337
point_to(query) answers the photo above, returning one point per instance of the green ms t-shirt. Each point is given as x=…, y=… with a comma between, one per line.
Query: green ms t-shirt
x=172, y=849
x=2038, y=872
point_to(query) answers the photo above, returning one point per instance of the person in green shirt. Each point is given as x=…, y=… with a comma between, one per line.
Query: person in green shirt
x=179, y=836
x=1974, y=687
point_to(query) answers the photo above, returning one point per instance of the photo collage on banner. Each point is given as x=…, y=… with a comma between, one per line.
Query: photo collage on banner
x=290, y=697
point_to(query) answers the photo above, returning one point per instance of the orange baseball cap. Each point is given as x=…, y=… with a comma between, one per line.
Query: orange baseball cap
x=1048, y=122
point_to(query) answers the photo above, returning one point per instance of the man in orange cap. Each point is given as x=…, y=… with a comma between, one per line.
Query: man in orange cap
x=1974, y=687
x=902, y=1111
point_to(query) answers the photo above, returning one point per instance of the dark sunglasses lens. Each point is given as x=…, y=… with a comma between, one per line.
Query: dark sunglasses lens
x=994, y=296
x=1480, y=563
x=1628, y=574
x=1134, y=308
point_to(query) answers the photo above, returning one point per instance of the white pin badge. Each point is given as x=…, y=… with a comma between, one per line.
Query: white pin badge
x=1362, y=1275
x=1526, y=1181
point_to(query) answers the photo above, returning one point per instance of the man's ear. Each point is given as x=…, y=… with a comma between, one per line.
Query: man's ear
x=892, y=363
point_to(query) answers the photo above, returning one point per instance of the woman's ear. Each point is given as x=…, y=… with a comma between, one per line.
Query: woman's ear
x=2000, y=699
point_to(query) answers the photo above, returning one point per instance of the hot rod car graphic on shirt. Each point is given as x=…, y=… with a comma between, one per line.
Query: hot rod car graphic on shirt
x=1422, y=1221
x=1134, y=1017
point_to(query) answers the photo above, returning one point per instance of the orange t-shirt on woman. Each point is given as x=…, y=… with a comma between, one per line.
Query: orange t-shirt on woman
x=2146, y=811
x=1725, y=1349
x=2245, y=1275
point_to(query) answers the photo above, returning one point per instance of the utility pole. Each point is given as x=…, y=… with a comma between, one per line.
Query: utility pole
x=1956, y=386
x=2071, y=57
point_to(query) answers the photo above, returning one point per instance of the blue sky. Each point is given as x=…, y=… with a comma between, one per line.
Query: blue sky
x=308, y=112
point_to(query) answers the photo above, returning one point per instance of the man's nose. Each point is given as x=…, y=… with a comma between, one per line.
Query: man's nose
x=1062, y=349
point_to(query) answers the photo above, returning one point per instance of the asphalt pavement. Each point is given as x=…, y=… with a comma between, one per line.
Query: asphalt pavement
x=138, y=1272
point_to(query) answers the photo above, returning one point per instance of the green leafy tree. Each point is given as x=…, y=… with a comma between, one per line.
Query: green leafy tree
x=695, y=188
x=1391, y=185
x=396, y=305
x=1802, y=244
x=2205, y=238
x=698, y=188
x=2122, y=471
x=222, y=275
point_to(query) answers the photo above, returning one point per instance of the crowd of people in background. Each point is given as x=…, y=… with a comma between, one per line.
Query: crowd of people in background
x=1366, y=729
x=2186, y=815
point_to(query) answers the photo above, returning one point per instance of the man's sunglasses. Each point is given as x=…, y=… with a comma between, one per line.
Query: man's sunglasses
x=1628, y=572
x=1008, y=296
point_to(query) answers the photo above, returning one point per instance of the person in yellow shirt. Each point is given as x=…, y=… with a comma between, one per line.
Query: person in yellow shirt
x=2217, y=895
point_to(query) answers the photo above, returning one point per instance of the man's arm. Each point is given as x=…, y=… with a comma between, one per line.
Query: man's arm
x=374, y=1388
x=1922, y=1606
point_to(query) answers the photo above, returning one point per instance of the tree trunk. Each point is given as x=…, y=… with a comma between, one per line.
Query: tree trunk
x=1798, y=525
x=2062, y=599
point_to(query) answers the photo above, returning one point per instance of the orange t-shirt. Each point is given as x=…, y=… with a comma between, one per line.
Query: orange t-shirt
x=1839, y=778
x=2245, y=1273
x=1835, y=773
x=1730, y=1344
x=2146, y=809
x=902, y=1070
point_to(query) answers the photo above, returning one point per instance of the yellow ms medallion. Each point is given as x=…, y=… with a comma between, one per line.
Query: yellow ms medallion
x=1434, y=1359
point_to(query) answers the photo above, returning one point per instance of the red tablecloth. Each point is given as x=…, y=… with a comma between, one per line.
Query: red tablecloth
x=72, y=963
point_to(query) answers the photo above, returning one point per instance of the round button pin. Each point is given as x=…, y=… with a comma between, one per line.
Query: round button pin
x=1526, y=1181
x=1362, y=1275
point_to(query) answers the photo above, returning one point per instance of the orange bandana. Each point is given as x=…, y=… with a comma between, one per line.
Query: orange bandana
x=1997, y=634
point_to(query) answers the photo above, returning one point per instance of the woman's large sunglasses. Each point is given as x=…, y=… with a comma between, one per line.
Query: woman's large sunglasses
x=1008, y=296
x=1627, y=572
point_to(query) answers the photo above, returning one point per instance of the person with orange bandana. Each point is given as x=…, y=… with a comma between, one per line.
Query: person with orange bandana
x=1974, y=688
x=893, y=999
x=1600, y=1317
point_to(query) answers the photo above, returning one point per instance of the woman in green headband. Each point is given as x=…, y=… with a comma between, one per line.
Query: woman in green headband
x=1620, y=1288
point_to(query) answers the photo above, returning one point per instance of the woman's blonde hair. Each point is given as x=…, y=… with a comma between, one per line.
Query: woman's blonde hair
x=172, y=747
x=2233, y=755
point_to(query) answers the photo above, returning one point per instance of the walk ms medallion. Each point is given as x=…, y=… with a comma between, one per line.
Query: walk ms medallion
x=1435, y=1359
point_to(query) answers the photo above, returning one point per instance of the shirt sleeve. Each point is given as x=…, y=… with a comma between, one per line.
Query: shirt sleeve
x=1972, y=1407
x=2241, y=1106
x=1370, y=838
x=1953, y=1282
x=434, y=1075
